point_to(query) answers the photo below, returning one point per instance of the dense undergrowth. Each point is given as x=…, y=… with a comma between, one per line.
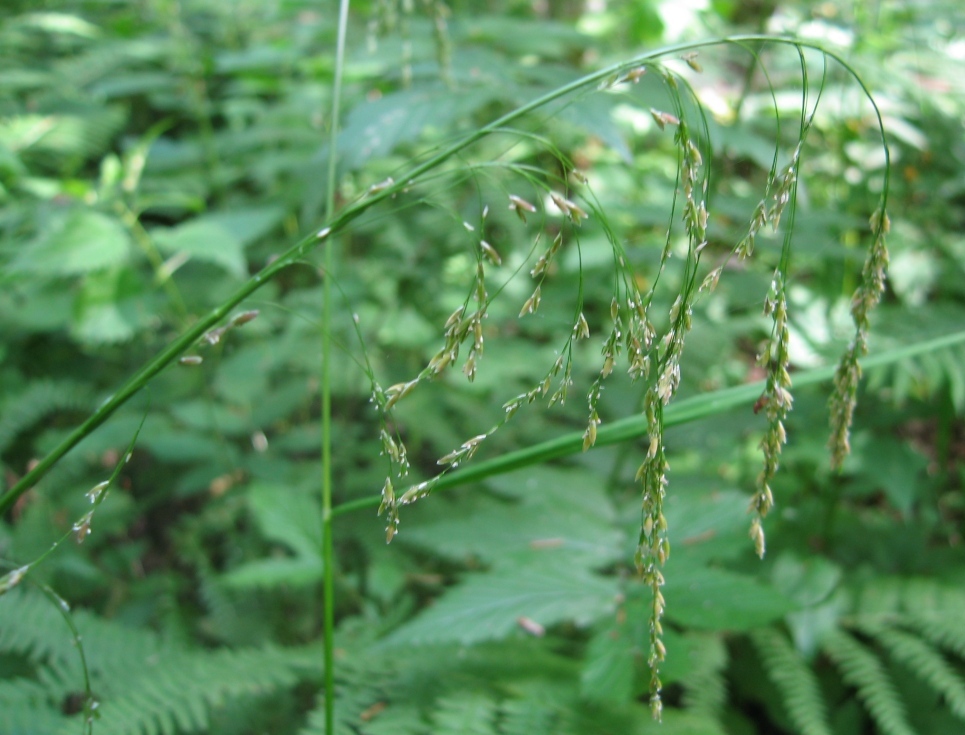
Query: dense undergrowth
x=154, y=156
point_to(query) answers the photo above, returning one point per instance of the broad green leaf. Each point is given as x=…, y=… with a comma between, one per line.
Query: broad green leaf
x=205, y=241
x=707, y=525
x=246, y=225
x=805, y=581
x=889, y=465
x=82, y=241
x=111, y=307
x=374, y=129
x=298, y=572
x=287, y=516
x=719, y=599
x=559, y=511
x=610, y=666
x=490, y=606
x=60, y=23
x=469, y=713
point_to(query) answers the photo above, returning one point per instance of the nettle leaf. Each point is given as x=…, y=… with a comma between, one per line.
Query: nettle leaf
x=290, y=518
x=110, y=308
x=287, y=516
x=207, y=241
x=594, y=114
x=469, y=713
x=82, y=241
x=611, y=662
x=286, y=571
x=707, y=525
x=564, y=511
x=544, y=591
x=719, y=599
x=374, y=129
x=246, y=225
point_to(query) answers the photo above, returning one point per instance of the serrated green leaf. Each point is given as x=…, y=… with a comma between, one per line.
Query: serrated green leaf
x=558, y=510
x=374, y=129
x=610, y=665
x=465, y=714
x=287, y=516
x=298, y=572
x=719, y=599
x=206, y=241
x=110, y=308
x=82, y=241
x=489, y=606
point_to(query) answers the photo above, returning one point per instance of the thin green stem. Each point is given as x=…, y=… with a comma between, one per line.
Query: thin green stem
x=328, y=549
x=677, y=413
x=338, y=222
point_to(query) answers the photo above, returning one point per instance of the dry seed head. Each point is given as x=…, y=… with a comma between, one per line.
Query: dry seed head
x=589, y=436
x=634, y=74
x=581, y=330
x=757, y=534
x=880, y=221
x=399, y=391
x=540, y=266
x=571, y=210
x=440, y=361
x=81, y=528
x=532, y=303
x=710, y=282
x=388, y=496
x=96, y=493
x=243, y=318
x=520, y=206
x=664, y=118
x=469, y=368
x=213, y=336
x=511, y=407
x=13, y=578
x=454, y=318
x=382, y=185
x=490, y=252
x=691, y=59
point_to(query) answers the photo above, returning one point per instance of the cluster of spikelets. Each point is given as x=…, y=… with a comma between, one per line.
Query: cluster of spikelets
x=633, y=335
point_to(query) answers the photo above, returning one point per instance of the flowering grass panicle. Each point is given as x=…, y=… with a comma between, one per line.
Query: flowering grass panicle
x=844, y=396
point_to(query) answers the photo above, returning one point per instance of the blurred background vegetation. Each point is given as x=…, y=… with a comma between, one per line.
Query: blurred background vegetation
x=154, y=154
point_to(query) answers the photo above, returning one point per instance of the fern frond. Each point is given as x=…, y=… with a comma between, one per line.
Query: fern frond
x=465, y=714
x=175, y=693
x=37, y=400
x=795, y=681
x=927, y=663
x=527, y=717
x=29, y=625
x=21, y=691
x=23, y=718
x=705, y=687
x=861, y=669
x=943, y=632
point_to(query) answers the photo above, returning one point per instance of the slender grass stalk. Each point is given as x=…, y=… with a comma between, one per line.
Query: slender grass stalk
x=328, y=551
x=338, y=222
x=633, y=427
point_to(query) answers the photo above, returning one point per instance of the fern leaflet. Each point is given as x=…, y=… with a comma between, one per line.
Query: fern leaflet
x=862, y=669
x=794, y=680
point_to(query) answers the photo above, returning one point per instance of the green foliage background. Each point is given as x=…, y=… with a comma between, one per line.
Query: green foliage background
x=154, y=154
